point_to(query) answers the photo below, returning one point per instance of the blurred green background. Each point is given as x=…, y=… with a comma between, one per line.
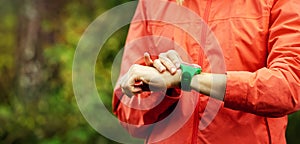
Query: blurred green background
x=38, y=39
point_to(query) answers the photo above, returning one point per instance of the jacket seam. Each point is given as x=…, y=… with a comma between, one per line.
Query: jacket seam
x=268, y=130
x=250, y=18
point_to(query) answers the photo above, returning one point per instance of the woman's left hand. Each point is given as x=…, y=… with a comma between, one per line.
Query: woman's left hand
x=144, y=78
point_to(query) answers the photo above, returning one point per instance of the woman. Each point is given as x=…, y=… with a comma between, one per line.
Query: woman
x=260, y=46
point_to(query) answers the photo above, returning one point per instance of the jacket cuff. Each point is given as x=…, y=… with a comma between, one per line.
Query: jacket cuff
x=236, y=90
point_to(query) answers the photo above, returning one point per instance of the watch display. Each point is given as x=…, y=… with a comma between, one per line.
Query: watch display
x=188, y=71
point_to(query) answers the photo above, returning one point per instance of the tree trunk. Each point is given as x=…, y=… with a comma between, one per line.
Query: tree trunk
x=28, y=56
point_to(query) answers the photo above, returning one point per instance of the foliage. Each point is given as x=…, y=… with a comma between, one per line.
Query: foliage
x=53, y=116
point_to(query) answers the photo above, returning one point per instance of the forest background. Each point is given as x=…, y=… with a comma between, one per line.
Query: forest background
x=38, y=39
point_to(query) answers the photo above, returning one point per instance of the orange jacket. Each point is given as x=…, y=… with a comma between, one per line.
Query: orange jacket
x=260, y=41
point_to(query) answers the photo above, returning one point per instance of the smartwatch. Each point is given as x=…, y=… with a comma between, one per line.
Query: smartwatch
x=188, y=71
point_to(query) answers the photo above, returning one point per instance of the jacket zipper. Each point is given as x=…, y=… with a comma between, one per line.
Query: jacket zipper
x=200, y=62
x=196, y=124
x=268, y=130
x=204, y=30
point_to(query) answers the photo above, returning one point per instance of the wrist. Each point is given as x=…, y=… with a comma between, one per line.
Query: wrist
x=213, y=85
x=173, y=81
x=202, y=83
x=195, y=82
x=177, y=79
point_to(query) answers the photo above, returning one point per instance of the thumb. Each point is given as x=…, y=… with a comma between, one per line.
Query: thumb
x=147, y=59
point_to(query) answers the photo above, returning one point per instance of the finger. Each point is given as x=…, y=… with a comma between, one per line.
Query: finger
x=159, y=66
x=133, y=89
x=124, y=89
x=175, y=58
x=130, y=90
x=136, y=90
x=168, y=64
x=127, y=86
x=148, y=59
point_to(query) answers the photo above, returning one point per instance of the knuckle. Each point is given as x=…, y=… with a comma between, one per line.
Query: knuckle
x=175, y=60
x=133, y=68
x=157, y=61
x=158, y=64
x=162, y=55
x=171, y=51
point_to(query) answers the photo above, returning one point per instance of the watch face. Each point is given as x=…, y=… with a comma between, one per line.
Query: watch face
x=186, y=76
x=186, y=81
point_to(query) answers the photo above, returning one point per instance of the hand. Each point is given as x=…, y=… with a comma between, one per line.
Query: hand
x=169, y=60
x=144, y=78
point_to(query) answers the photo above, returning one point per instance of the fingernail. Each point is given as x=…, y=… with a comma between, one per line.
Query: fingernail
x=173, y=70
x=177, y=65
x=162, y=69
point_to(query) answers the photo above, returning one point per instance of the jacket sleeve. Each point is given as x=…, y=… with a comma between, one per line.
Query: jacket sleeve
x=273, y=91
x=139, y=113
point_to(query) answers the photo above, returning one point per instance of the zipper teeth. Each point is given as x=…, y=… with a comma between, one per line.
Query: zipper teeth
x=268, y=130
x=206, y=12
x=200, y=62
x=196, y=124
x=204, y=30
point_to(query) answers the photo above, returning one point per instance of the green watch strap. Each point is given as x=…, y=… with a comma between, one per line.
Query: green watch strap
x=188, y=71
